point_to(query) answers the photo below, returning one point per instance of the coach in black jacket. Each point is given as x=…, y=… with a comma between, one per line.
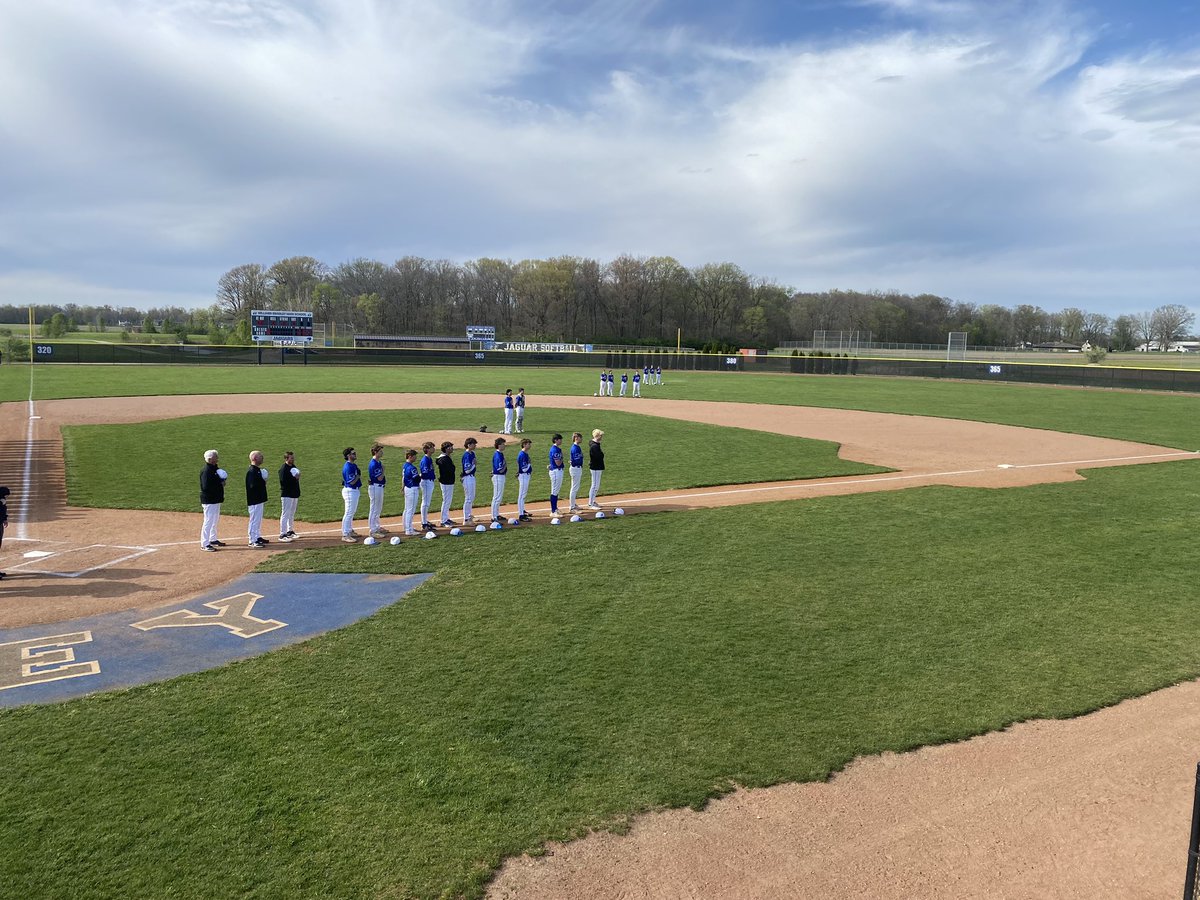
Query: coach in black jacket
x=256, y=498
x=212, y=495
x=596, y=465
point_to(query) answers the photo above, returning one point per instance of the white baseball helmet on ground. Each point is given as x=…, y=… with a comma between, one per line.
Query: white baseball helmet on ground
x=576, y=518
x=456, y=532
x=430, y=535
x=495, y=526
x=514, y=522
x=600, y=515
x=618, y=511
x=555, y=521
x=370, y=541
x=395, y=539
x=481, y=528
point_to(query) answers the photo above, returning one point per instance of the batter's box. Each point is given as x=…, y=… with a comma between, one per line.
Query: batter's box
x=77, y=561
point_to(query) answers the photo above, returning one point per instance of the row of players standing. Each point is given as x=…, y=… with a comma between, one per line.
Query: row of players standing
x=419, y=478
x=212, y=495
x=648, y=375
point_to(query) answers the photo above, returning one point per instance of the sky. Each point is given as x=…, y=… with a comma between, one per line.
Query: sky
x=991, y=151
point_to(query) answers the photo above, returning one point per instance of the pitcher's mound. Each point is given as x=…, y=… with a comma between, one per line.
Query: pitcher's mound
x=456, y=436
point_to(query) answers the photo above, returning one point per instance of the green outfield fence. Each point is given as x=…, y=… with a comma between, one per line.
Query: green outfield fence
x=1184, y=380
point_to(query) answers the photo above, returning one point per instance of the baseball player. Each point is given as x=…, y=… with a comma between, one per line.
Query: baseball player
x=658, y=375
x=256, y=498
x=412, y=490
x=351, y=488
x=289, y=496
x=637, y=383
x=468, y=479
x=524, y=476
x=519, y=403
x=428, y=477
x=376, y=479
x=603, y=382
x=624, y=382
x=596, y=464
x=212, y=495
x=555, y=468
x=576, y=468
x=499, y=471
x=610, y=382
x=445, y=469
x=508, y=412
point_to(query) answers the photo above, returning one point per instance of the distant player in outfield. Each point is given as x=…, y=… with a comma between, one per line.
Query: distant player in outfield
x=524, y=476
x=376, y=479
x=611, y=379
x=445, y=468
x=468, y=479
x=645, y=374
x=624, y=382
x=499, y=471
x=289, y=497
x=351, y=488
x=637, y=383
x=658, y=375
x=576, y=468
x=555, y=468
x=596, y=465
x=508, y=412
x=212, y=495
x=519, y=403
x=603, y=382
x=256, y=498
x=412, y=490
x=428, y=477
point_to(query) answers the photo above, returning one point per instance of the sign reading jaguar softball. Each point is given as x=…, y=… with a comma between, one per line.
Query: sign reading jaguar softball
x=254, y=614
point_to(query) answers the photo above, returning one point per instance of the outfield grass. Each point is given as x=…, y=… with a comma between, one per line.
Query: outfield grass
x=552, y=680
x=641, y=454
x=1164, y=419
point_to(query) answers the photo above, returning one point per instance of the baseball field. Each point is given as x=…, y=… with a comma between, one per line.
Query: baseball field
x=814, y=571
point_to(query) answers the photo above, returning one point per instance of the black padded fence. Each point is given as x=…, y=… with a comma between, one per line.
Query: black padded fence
x=1192, y=881
x=1181, y=380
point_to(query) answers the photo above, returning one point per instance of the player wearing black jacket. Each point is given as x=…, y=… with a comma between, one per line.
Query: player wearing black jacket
x=596, y=465
x=212, y=495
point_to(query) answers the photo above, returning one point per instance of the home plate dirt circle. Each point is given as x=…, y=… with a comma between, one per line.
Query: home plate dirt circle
x=1095, y=806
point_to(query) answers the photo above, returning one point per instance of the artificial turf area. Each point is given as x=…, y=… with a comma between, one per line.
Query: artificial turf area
x=552, y=680
x=1152, y=418
x=642, y=453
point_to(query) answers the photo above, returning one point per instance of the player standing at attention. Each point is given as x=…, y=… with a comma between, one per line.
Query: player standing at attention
x=468, y=479
x=412, y=490
x=624, y=382
x=212, y=495
x=499, y=471
x=555, y=468
x=576, y=468
x=610, y=382
x=289, y=496
x=596, y=464
x=637, y=383
x=658, y=375
x=256, y=498
x=445, y=467
x=603, y=382
x=645, y=374
x=375, y=482
x=519, y=403
x=351, y=487
x=428, y=477
x=508, y=412
x=524, y=476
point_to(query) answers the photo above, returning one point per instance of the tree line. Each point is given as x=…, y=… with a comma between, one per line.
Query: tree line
x=629, y=300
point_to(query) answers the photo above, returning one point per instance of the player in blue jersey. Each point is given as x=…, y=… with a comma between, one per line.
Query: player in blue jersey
x=508, y=412
x=555, y=468
x=524, y=476
x=351, y=487
x=603, y=382
x=375, y=482
x=468, y=479
x=624, y=382
x=499, y=471
x=658, y=375
x=428, y=479
x=519, y=403
x=645, y=374
x=611, y=379
x=576, y=468
x=637, y=383
x=412, y=490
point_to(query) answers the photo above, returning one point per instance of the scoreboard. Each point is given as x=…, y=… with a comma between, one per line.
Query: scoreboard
x=281, y=326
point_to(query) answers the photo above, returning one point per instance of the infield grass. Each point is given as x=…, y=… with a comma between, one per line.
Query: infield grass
x=641, y=454
x=1164, y=419
x=552, y=680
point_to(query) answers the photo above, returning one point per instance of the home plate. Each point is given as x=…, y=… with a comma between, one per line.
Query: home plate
x=77, y=561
